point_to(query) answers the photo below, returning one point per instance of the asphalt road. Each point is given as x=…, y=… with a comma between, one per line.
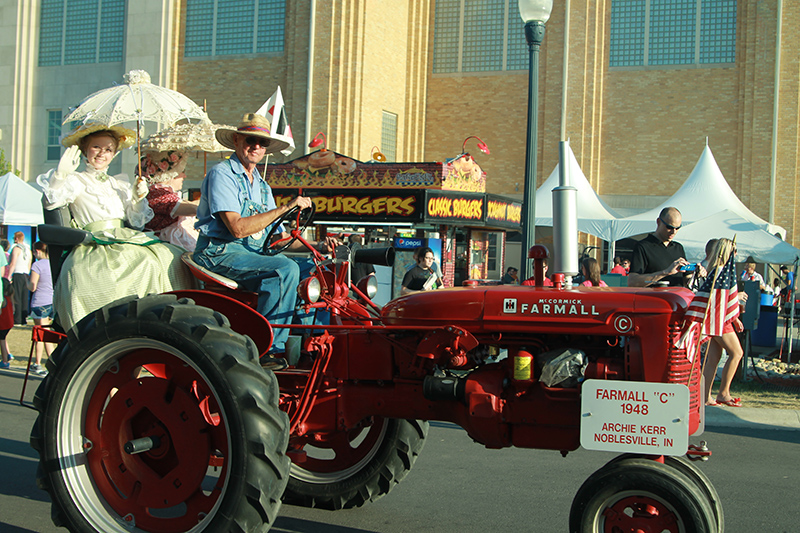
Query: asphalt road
x=459, y=486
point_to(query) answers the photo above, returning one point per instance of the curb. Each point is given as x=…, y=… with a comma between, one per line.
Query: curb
x=744, y=417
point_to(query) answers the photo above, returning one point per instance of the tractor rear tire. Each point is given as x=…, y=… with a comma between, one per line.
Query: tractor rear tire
x=350, y=469
x=637, y=494
x=173, y=377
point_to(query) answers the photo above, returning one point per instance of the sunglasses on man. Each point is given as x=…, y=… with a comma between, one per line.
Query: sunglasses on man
x=670, y=226
x=252, y=141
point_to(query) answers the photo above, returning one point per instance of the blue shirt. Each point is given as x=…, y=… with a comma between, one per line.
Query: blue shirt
x=226, y=187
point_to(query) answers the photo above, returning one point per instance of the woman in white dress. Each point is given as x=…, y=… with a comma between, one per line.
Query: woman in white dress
x=119, y=261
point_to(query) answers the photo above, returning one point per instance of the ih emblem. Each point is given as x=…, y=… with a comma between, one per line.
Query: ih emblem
x=510, y=305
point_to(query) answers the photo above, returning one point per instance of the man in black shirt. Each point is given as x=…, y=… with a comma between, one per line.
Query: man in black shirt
x=657, y=257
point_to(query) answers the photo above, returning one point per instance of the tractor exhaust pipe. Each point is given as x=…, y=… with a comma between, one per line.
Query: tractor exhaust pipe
x=565, y=218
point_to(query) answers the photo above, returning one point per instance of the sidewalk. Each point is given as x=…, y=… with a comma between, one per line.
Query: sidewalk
x=748, y=417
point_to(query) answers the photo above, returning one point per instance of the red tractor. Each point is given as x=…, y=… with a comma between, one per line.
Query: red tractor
x=157, y=416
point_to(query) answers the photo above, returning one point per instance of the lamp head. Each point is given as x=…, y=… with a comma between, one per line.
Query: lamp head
x=481, y=145
x=316, y=141
x=535, y=10
x=377, y=155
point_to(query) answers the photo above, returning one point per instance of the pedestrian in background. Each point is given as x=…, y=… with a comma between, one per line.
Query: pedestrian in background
x=510, y=277
x=19, y=267
x=728, y=340
x=41, y=285
x=3, y=261
x=788, y=279
x=590, y=269
x=749, y=273
x=6, y=322
x=618, y=268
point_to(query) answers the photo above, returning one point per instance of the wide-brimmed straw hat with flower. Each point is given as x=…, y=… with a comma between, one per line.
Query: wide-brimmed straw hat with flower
x=125, y=137
x=252, y=125
x=160, y=167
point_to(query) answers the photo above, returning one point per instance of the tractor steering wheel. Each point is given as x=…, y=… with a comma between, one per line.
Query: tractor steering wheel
x=280, y=245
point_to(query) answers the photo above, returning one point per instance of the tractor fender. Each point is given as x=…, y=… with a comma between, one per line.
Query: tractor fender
x=243, y=319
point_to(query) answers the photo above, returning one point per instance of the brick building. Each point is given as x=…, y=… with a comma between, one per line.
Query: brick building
x=637, y=86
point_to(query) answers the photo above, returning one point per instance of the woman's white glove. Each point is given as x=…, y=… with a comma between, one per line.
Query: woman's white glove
x=69, y=161
x=140, y=190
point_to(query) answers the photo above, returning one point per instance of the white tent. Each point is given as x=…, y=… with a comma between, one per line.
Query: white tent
x=705, y=192
x=20, y=203
x=751, y=240
x=595, y=217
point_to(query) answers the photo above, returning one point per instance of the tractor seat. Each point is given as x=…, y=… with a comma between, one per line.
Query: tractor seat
x=205, y=275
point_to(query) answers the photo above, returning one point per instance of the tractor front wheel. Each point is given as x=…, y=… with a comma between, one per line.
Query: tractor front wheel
x=157, y=417
x=637, y=494
x=348, y=469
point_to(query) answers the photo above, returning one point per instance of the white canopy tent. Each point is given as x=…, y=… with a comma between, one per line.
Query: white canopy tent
x=705, y=192
x=751, y=240
x=20, y=203
x=595, y=217
x=704, y=197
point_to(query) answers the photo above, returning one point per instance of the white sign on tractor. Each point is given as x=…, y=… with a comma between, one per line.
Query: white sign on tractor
x=634, y=416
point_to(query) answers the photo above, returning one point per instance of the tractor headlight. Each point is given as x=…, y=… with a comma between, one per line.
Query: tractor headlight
x=309, y=290
x=368, y=285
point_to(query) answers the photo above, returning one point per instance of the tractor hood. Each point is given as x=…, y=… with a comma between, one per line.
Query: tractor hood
x=509, y=308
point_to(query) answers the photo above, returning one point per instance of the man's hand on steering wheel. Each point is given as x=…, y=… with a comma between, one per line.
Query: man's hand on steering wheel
x=298, y=206
x=303, y=202
x=328, y=245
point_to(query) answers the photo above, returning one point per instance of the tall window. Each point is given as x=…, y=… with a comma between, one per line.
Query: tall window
x=227, y=27
x=53, y=134
x=478, y=36
x=81, y=31
x=672, y=32
x=389, y=136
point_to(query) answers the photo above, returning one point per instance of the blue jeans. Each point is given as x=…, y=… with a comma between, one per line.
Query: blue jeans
x=274, y=278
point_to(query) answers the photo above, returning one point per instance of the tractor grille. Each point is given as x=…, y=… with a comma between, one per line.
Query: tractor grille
x=681, y=370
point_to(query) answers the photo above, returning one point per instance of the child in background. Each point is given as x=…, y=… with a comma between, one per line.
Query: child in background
x=41, y=286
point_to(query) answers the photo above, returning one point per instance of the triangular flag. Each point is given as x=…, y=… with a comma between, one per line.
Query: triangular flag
x=275, y=112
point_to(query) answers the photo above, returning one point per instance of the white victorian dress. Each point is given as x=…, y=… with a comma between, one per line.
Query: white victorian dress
x=119, y=261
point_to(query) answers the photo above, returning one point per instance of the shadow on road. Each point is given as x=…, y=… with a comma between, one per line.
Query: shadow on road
x=8, y=528
x=286, y=524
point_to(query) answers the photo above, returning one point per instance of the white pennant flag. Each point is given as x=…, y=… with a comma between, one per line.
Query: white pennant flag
x=275, y=112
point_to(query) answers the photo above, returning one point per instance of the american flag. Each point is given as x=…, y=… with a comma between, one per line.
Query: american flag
x=714, y=305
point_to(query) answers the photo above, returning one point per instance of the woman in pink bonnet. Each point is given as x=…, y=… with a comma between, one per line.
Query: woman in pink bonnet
x=174, y=217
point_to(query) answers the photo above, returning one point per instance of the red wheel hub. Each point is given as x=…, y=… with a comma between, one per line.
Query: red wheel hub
x=639, y=514
x=347, y=449
x=160, y=489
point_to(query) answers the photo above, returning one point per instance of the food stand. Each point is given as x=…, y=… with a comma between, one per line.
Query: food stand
x=443, y=204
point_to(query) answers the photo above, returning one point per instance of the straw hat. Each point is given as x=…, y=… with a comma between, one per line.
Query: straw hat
x=252, y=125
x=125, y=137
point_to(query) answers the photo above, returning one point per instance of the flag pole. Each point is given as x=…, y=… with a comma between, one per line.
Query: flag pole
x=205, y=154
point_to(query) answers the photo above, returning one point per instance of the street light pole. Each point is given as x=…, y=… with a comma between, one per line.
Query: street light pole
x=534, y=13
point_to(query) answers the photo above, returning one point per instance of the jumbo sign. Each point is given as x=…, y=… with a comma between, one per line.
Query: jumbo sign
x=359, y=206
x=449, y=207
